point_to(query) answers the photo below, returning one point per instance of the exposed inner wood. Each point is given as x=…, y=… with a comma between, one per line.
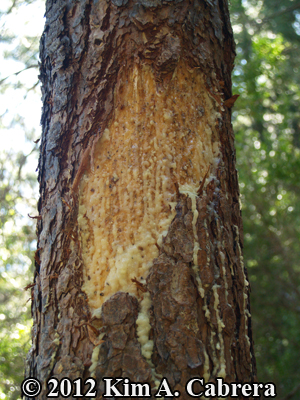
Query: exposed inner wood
x=194, y=317
x=155, y=140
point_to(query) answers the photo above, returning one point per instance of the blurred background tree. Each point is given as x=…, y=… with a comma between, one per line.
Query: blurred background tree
x=267, y=127
x=266, y=119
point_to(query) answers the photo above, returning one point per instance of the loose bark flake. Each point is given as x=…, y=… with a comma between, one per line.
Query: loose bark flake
x=99, y=62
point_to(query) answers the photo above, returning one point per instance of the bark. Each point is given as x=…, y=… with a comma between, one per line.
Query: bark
x=138, y=88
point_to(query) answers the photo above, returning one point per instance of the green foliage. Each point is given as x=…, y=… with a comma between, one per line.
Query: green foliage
x=17, y=242
x=18, y=52
x=266, y=123
x=14, y=334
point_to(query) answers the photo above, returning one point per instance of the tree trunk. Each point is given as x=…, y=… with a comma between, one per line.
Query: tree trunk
x=139, y=269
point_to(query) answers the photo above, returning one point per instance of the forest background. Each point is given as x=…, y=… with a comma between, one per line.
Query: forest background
x=266, y=119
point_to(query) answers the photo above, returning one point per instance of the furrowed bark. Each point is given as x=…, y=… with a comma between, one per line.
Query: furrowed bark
x=141, y=233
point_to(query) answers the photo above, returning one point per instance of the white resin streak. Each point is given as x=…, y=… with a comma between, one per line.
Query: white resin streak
x=246, y=284
x=144, y=189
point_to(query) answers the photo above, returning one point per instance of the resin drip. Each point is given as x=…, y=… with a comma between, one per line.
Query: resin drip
x=155, y=141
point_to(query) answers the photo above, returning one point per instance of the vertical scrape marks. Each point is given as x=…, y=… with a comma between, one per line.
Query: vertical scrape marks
x=155, y=143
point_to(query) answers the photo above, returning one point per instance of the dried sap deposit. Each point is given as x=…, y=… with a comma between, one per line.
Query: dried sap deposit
x=154, y=141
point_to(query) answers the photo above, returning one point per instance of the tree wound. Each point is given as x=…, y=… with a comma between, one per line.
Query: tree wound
x=155, y=142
